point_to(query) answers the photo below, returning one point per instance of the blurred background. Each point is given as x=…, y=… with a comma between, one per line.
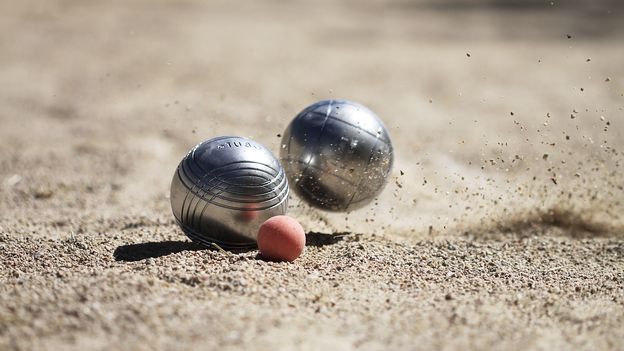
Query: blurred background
x=502, y=112
x=506, y=119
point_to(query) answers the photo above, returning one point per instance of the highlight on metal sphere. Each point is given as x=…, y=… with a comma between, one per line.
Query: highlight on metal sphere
x=337, y=155
x=225, y=188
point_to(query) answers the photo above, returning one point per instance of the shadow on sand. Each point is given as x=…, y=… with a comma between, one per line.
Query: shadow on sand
x=137, y=252
x=322, y=239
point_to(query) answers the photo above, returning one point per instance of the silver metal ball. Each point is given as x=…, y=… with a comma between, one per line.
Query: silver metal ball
x=225, y=188
x=337, y=155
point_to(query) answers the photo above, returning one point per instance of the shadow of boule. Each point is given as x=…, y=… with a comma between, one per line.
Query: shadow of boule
x=138, y=252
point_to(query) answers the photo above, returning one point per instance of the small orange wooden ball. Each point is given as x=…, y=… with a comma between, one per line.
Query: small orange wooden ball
x=281, y=238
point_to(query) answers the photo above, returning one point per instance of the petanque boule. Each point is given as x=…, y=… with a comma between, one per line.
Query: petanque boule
x=225, y=188
x=337, y=155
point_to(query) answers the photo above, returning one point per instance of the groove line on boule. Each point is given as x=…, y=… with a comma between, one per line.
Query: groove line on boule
x=217, y=179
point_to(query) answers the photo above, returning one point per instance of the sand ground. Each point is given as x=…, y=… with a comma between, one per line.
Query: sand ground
x=501, y=227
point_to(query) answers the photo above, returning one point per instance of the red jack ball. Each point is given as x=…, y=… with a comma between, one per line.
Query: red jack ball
x=281, y=238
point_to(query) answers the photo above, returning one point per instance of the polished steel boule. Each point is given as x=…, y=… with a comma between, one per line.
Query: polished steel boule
x=225, y=188
x=337, y=155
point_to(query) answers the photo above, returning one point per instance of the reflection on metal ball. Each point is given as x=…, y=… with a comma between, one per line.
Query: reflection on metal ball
x=225, y=188
x=337, y=155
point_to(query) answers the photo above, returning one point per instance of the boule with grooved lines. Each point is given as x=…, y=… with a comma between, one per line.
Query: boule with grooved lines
x=225, y=188
x=337, y=155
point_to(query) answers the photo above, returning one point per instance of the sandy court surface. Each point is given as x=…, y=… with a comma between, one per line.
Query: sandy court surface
x=500, y=228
